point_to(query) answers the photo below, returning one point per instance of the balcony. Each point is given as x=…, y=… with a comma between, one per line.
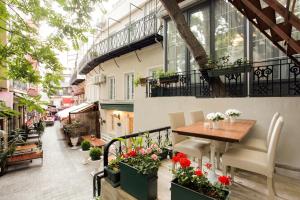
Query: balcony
x=18, y=86
x=142, y=33
x=270, y=78
x=76, y=78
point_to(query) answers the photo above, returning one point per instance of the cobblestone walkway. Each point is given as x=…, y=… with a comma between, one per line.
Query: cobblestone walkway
x=61, y=177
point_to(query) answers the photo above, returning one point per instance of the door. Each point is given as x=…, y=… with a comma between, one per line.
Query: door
x=130, y=125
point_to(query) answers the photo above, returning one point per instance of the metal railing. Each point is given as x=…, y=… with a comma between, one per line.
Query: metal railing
x=271, y=78
x=134, y=32
x=113, y=148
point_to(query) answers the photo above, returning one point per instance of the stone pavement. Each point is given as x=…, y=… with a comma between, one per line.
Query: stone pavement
x=61, y=177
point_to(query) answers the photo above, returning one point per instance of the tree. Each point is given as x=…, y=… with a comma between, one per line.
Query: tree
x=70, y=21
x=193, y=45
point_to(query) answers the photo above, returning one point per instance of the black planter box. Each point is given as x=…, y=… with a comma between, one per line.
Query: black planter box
x=112, y=177
x=229, y=70
x=179, y=192
x=140, y=186
x=169, y=79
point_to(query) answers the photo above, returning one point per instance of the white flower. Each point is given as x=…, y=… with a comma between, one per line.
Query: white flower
x=233, y=113
x=215, y=116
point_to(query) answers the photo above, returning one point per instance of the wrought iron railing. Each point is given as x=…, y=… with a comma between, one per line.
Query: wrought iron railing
x=271, y=78
x=136, y=31
x=160, y=136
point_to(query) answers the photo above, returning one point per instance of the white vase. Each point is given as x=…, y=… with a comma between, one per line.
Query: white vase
x=96, y=166
x=74, y=141
x=216, y=125
x=86, y=156
x=232, y=119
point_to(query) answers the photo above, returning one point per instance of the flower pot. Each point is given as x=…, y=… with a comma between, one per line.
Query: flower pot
x=179, y=192
x=169, y=79
x=141, y=186
x=112, y=177
x=237, y=69
x=216, y=125
x=86, y=156
x=74, y=141
x=232, y=119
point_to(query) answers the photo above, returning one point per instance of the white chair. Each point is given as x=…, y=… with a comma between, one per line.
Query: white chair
x=184, y=144
x=256, y=161
x=197, y=116
x=258, y=143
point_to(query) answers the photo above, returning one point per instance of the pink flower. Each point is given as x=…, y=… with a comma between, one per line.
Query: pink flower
x=148, y=150
x=142, y=151
x=159, y=150
x=154, y=146
x=154, y=157
x=208, y=165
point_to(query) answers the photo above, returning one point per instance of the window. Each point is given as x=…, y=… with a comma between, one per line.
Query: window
x=129, y=86
x=111, y=87
x=229, y=31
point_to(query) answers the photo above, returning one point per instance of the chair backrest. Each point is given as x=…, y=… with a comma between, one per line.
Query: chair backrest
x=197, y=116
x=271, y=127
x=177, y=120
x=274, y=141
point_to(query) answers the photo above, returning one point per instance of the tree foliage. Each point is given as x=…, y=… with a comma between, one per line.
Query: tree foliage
x=21, y=19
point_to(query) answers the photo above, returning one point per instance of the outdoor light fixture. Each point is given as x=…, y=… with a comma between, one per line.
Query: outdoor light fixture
x=117, y=114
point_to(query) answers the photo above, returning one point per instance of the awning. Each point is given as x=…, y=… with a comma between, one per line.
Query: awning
x=117, y=106
x=65, y=113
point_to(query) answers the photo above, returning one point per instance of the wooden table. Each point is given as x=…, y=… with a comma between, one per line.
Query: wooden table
x=26, y=147
x=95, y=142
x=228, y=132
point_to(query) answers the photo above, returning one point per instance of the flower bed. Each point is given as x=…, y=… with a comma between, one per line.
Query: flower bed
x=191, y=183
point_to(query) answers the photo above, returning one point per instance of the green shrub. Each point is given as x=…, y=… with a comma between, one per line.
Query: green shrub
x=85, y=145
x=95, y=153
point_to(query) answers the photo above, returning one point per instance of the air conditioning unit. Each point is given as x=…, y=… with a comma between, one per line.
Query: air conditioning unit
x=99, y=79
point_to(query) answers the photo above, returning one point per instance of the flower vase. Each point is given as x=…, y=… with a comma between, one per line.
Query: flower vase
x=215, y=125
x=232, y=119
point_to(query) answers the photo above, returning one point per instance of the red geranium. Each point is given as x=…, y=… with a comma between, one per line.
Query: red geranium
x=177, y=157
x=198, y=172
x=208, y=165
x=181, y=155
x=132, y=153
x=184, y=162
x=224, y=180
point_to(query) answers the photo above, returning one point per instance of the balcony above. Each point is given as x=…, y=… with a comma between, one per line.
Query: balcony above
x=76, y=78
x=140, y=34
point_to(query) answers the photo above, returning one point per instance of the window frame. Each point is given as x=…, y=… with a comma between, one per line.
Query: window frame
x=128, y=96
x=111, y=94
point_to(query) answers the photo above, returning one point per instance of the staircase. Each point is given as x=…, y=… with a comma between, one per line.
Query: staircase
x=275, y=21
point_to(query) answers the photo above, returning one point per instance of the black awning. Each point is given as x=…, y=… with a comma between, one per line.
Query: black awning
x=117, y=106
x=147, y=41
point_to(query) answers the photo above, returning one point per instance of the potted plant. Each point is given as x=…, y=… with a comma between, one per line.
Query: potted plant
x=95, y=155
x=167, y=77
x=74, y=134
x=85, y=147
x=222, y=67
x=139, y=172
x=140, y=81
x=233, y=114
x=215, y=118
x=113, y=171
x=191, y=183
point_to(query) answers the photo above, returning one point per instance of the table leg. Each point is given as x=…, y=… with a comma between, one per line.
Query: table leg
x=212, y=177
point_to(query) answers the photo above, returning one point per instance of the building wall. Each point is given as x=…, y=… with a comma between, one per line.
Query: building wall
x=260, y=109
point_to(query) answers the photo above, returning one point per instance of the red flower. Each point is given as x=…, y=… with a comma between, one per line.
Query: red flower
x=224, y=180
x=132, y=153
x=181, y=155
x=208, y=165
x=175, y=159
x=125, y=155
x=198, y=172
x=184, y=162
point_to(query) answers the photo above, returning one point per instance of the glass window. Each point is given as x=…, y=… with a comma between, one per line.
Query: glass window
x=200, y=26
x=111, y=87
x=175, y=49
x=229, y=31
x=129, y=86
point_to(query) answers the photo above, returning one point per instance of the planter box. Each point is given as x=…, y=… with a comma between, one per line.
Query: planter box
x=143, y=81
x=229, y=70
x=170, y=79
x=140, y=186
x=179, y=192
x=112, y=177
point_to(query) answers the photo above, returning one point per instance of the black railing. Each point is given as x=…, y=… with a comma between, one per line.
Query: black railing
x=160, y=136
x=271, y=78
x=136, y=31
